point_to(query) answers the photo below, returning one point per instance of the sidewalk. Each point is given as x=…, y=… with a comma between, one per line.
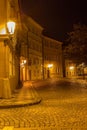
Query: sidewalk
x=27, y=95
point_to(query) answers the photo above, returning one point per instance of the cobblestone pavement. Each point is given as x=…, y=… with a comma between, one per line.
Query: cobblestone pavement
x=63, y=107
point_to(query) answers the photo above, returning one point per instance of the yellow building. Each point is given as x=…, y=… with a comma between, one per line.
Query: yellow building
x=70, y=69
x=31, y=50
x=40, y=57
x=9, y=15
x=24, y=50
x=52, y=58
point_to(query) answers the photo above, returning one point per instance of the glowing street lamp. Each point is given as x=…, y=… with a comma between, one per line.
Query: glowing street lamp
x=23, y=63
x=50, y=65
x=11, y=27
x=48, y=71
x=71, y=67
x=7, y=32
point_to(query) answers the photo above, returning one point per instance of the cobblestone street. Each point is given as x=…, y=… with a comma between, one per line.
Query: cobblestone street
x=63, y=107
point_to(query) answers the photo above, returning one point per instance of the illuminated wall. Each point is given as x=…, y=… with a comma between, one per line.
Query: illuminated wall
x=3, y=16
x=31, y=51
x=9, y=66
x=39, y=51
x=70, y=69
x=52, y=54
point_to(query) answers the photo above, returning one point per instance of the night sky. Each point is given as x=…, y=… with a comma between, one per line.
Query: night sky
x=56, y=16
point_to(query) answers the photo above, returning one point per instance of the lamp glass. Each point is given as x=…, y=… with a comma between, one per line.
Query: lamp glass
x=71, y=67
x=50, y=65
x=11, y=27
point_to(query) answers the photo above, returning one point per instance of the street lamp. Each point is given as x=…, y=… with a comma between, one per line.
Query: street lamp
x=48, y=71
x=23, y=63
x=11, y=27
x=7, y=32
x=50, y=65
x=71, y=67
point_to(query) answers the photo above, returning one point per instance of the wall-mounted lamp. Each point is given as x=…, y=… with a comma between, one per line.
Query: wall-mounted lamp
x=71, y=67
x=23, y=62
x=11, y=27
x=50, y=65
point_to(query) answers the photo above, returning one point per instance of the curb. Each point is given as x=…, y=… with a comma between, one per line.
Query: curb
x=22, y=104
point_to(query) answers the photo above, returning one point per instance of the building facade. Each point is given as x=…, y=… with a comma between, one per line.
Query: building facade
x=9, y=66
x=31, y=51
x=40, y=57
x=52, y=58
x=25, y=54
x=70, y=69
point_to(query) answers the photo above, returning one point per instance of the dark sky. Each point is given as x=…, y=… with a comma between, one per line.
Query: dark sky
x=56, y=16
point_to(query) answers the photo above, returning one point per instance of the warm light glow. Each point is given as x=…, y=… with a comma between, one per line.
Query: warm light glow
x=11, y=27
x=50, y=65
x=71, y=67
x=23, y=63
x=2, y=29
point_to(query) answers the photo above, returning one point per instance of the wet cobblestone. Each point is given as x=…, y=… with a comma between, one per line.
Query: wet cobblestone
x=53, y=113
